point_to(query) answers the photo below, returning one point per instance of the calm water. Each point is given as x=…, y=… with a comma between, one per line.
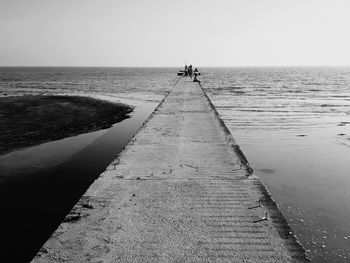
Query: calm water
x=38, y=80
x=39, y=185
x=292, y=124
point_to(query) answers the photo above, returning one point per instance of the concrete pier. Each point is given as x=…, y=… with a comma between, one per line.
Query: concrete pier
x=181, y=191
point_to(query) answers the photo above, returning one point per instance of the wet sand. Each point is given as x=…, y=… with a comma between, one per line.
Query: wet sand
x=32, y=120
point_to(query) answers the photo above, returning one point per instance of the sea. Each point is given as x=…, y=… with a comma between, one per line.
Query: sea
x=292, y=123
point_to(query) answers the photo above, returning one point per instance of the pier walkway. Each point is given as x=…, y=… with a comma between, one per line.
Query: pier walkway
x=181, y=191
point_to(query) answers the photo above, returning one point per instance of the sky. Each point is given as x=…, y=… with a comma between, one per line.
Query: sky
x=158, y=33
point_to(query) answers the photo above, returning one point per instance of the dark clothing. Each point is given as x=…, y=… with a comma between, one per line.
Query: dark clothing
x=196, y=74
x=190, y=71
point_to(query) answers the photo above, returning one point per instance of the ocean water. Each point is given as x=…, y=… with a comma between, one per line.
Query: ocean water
x=149, y=82
x=291, y=123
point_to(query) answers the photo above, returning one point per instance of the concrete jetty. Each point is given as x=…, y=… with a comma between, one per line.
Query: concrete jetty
x=181, y=191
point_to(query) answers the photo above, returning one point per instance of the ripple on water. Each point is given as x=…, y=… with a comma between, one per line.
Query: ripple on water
x=291, y=123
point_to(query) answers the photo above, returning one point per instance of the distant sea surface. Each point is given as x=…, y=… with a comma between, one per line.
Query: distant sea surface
x=293, y=124
x=75, y=80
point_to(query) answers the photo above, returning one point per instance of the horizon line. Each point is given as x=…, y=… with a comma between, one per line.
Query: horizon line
x=200, y=66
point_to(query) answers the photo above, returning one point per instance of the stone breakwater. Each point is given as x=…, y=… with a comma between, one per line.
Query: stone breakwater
x=181, y=191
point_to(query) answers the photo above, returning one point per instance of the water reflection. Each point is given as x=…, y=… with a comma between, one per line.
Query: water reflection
x=29, y=160
x=41, y=184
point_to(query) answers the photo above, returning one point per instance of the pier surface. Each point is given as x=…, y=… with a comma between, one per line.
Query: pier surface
x=181, y=191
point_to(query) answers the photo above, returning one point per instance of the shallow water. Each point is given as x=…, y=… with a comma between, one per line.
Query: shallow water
x=292, y=124
x=39, y=185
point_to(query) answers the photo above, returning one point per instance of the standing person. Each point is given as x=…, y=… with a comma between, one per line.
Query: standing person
x=190, y=71
x=186, y=70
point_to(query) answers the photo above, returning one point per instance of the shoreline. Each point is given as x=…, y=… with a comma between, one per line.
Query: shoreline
x=34, y=200
x=35, y=119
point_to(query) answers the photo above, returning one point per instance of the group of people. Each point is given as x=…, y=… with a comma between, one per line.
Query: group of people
x=190, y=72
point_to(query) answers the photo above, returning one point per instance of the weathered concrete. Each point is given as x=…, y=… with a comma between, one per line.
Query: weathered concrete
x=179, y=192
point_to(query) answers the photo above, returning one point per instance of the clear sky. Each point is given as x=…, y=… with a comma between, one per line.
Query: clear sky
x=168, y=33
